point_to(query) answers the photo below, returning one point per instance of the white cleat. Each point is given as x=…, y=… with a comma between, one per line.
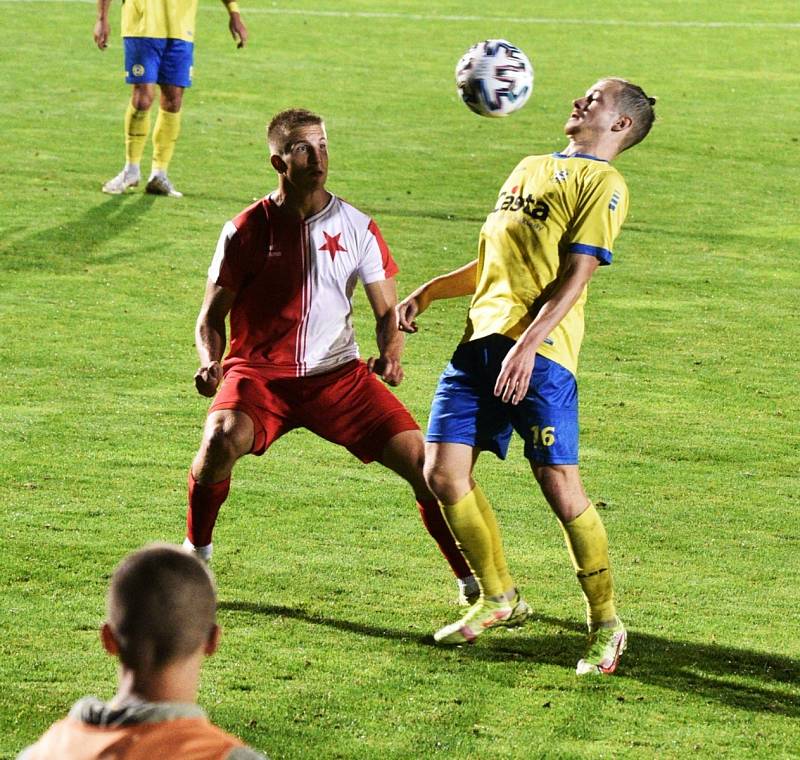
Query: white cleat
x=605, y=647
x=122, y=182
x=159, y=184
x=201, y=552
x=520, y=612
x=481, y=616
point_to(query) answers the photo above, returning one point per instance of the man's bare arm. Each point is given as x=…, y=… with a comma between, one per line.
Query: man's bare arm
x=235, y=24
x=459, y=282
x=101, y=27
x=515, y=374
x=210, y=337
x=382, y=296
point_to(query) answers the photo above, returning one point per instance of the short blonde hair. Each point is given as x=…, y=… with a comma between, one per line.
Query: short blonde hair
x=161, y=607
x=632, y=101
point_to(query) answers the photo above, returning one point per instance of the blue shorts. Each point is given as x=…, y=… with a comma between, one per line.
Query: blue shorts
x=150, y=60
x=465, y=409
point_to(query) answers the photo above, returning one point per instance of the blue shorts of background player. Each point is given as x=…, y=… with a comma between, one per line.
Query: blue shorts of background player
x=465, y=409
x=150, y=60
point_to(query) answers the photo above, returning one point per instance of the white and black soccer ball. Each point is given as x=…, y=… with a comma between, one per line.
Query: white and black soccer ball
x=494, y=78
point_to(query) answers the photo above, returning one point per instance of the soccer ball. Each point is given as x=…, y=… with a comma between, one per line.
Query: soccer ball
x=494, y=78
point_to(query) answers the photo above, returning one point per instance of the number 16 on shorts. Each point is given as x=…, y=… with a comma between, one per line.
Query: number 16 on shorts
x=545, y=436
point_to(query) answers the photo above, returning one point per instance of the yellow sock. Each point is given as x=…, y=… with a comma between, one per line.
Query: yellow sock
x=500, y=564
x=475, y=541
x=137, y=125
x=165, y=134
x=588, y=548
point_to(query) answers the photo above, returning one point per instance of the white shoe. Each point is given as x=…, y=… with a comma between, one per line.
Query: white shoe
x=520, y=612
x=121, y=183
x=201, y=552
x=481, y=616
x=159, y=184
x=604, y=648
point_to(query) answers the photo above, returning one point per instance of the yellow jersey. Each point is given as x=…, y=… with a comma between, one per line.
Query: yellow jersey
x=162, y=19
x=550, y=206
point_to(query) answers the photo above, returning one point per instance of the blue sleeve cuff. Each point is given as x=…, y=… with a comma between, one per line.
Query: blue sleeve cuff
x=592, y=250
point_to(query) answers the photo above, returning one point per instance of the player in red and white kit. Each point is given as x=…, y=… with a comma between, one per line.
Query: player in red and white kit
x=285, y=270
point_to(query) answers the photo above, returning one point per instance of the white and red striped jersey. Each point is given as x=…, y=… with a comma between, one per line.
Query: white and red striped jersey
x=294, y=280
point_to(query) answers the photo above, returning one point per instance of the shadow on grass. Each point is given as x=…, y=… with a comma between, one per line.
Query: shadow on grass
x=741, y=678
x=76, y=242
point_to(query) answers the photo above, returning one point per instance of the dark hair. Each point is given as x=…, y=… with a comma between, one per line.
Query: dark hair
x=161, y=606
x=284, y=123
x=634, y=102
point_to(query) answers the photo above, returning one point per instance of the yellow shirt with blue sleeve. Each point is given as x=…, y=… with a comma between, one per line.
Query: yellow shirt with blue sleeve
x=550, y=206
x=160, y=19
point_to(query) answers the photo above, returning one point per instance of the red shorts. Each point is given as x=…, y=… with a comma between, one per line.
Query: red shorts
x=348, y=406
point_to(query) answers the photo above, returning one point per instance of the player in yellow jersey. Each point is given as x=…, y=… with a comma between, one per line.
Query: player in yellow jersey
x=158, y=36
x=554, y=223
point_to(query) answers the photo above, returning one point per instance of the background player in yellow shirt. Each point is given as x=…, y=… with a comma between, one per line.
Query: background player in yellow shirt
x=158, y=37
x=554, y=223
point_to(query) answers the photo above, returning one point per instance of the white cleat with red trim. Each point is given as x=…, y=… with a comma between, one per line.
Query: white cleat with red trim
x=481, y=616
x=603, y=651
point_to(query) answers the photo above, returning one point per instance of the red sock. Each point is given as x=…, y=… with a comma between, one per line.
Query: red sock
x=434, y=521
x=204, y=504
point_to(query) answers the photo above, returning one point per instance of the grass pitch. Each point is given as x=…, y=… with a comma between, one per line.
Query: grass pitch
x=329, y=586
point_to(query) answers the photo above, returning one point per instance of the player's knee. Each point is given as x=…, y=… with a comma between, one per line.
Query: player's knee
x=561, y=486
x=171, y=105
x=171, y=98
x=224, y=443
x=142, y=98
x=431, y=475
x=440, y=482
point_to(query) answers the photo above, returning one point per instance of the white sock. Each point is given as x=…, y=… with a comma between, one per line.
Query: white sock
x=131, y=170
x=201, y=552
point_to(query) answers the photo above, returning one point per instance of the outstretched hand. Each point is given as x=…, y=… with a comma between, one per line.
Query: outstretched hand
x=207, y=379
x=389, y=370
x=407, y=311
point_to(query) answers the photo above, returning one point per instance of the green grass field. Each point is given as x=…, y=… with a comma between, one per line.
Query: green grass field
x=329, y=586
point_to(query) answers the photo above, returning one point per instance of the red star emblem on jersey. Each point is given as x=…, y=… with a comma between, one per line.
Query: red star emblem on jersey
x=332, y=244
